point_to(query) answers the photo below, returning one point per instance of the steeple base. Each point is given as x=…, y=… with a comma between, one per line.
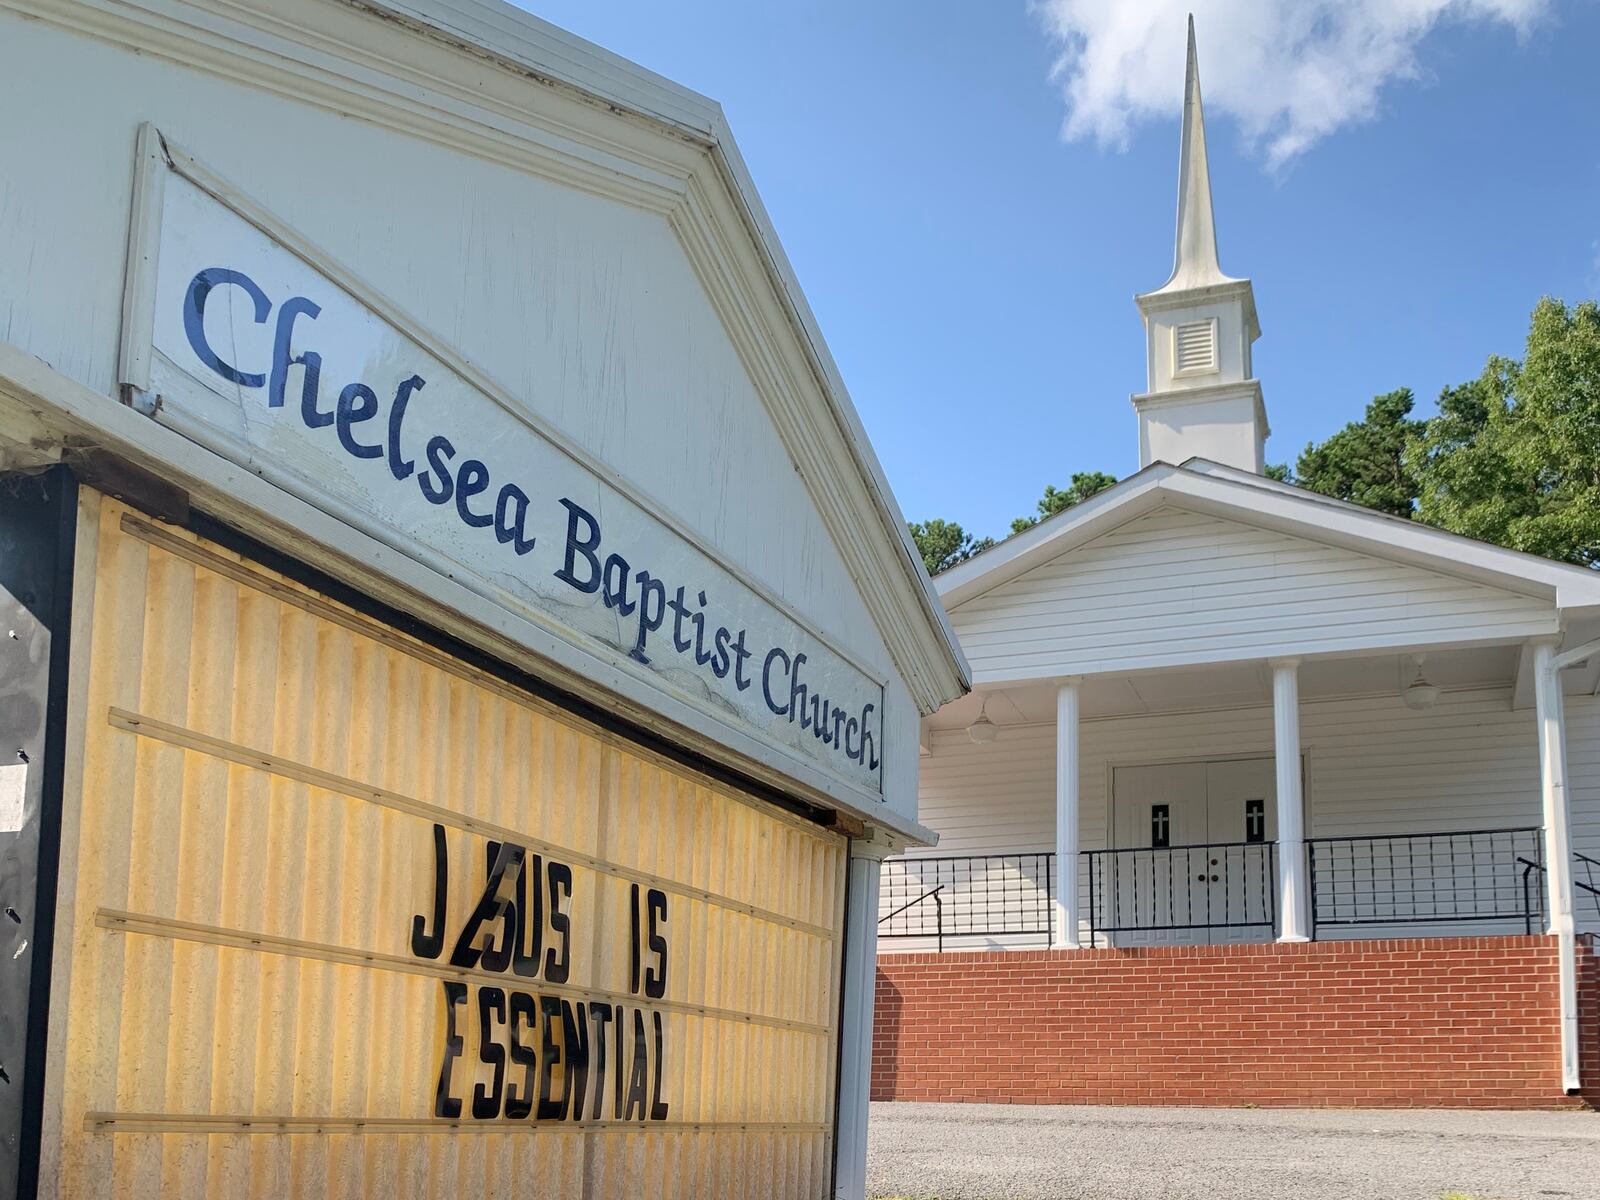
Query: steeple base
x=1225, y=423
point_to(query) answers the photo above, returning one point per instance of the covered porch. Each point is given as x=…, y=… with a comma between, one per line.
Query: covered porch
x=1200, y=762
x=1292, y=799
x=1297, y=799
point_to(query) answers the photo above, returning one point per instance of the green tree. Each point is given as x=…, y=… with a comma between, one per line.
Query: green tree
x=1514, y=456
x=1084, y=484
x=1366, y=461
x=943, y=544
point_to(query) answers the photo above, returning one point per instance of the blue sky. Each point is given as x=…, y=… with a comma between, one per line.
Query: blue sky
x=1400, y=193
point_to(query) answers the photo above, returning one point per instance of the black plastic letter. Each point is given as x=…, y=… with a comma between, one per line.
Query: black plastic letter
x=423, y=943
x=655, y=977
x=557, y=965
x=519, y=1100
x=486, y=1101
x=444, y=1104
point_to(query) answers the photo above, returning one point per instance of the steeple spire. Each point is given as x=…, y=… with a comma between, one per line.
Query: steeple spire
x=1194, y=261
x=1202, y=399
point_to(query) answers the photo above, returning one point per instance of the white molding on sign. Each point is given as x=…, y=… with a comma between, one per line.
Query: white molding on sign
x=183, y=163
x=603, y=125
x=144, y=243
x=157, y=157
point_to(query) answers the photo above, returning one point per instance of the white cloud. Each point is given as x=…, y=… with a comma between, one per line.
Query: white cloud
x=1289, y=71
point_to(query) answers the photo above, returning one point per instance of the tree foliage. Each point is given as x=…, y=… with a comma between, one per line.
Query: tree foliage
x=943, y=544
x=1083, y=485
x=1366, y=461
x=1514, y=456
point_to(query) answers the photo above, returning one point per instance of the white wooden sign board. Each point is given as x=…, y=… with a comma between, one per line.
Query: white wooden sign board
x=263, y=351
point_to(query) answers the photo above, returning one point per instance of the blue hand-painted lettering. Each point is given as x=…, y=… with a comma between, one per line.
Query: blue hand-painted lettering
x=640, y=599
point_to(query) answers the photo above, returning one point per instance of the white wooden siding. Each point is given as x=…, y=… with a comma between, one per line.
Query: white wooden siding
x=1372, y=767
x=1174, y=587
x=994, y=798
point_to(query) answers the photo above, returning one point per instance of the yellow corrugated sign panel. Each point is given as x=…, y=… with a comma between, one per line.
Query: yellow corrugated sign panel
x=345, y=916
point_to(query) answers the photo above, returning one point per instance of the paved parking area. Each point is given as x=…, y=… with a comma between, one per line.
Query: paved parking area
x=1016, y=1152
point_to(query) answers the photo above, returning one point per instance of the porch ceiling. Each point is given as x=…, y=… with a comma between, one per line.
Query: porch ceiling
x=1236, y=685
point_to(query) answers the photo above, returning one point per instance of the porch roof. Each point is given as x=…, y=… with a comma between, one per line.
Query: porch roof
x=1204, y=486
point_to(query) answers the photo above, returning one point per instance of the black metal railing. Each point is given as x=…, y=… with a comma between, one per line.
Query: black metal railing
x=983, y=895
x=1476, y=875
x=938, y=908
x=1585, y=880
x=1223, y=885
x=1532, y=893
x=1488, y=877
x=1585, y=883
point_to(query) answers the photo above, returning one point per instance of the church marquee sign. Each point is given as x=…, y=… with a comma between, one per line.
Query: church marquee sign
x=379, y=912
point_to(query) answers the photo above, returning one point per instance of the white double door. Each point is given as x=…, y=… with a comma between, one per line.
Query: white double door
x=1196, y=864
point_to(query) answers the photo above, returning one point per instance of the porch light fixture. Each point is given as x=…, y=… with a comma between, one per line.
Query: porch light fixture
x=983, y=730
x=1421, y=694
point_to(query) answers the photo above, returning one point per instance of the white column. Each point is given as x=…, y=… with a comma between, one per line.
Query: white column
x=1067, y=760
x=1293, y=922
x=855, y=1030
x=1557, y=844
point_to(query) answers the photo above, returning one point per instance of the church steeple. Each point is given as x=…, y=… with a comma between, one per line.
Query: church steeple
x=1202, y=401
x=1194, y=261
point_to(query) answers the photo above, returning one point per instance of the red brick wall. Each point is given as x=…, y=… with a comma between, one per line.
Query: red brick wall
x=1423, y=1022
x=1589, y=1019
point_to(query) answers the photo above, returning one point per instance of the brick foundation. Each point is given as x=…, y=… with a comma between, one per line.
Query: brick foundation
x=1437, y=1022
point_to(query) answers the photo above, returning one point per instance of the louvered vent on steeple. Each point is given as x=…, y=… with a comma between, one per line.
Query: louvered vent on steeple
x=1194, y=346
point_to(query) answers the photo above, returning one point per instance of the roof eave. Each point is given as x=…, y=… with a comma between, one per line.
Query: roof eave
x=927, y=651
x=1575, y=591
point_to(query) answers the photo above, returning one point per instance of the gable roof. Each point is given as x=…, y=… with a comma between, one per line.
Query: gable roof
x=827, y=440
x=1205, y=486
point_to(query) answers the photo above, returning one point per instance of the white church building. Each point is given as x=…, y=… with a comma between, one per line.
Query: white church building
x=1260, y=796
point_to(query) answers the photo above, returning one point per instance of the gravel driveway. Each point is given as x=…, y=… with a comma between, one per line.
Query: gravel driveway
x=1017, y=1152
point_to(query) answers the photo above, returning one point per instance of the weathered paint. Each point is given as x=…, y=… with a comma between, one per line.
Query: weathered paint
x=240, y=1000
